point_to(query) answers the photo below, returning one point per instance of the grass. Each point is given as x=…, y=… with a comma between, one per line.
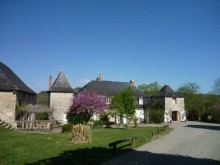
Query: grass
x=35, y=148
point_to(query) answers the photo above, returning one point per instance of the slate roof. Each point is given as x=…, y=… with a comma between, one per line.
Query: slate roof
x=167, y=91
x=110, y=88
x=9, y=81
x=61, y=84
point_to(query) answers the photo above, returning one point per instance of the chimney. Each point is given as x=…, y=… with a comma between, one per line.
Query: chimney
x=132, y=82
x=99, y=78
x=50, y=82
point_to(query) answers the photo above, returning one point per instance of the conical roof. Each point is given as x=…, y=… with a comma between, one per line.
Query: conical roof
x=167, y=91
x=61, y=84
x=9, y=81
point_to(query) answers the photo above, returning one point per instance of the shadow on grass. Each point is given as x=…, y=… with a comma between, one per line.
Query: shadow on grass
x=211, y=127
x=98, y=155
x=86, y=156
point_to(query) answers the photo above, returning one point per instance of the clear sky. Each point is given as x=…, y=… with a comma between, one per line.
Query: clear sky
x=169, y=41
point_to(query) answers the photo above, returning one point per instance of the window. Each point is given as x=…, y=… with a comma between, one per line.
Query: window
x=108, y=100
x=140, y=101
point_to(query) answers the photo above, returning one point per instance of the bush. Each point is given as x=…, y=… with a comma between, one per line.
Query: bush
x=75, y=118
x=211, y=115
x=98, y=123
x=104, y=117
x=156, y=116
x=67, y=127
x=42, y=116
x=193, y=115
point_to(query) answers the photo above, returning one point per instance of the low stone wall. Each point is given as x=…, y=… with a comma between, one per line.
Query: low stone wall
x=37, y=125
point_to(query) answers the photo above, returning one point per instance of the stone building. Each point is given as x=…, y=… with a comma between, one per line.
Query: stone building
x=60, y=97
x=172, y=103
x=13, y=91
x=108, y=89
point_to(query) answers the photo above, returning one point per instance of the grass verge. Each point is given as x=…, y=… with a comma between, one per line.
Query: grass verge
x=34, y=148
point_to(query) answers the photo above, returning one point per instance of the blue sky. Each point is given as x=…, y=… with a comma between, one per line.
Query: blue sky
x=172, y=41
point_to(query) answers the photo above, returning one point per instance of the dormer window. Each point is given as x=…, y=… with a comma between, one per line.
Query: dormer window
x=140, y=100
x=108, y=100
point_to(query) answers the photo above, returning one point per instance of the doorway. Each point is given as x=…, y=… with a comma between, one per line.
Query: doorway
x=175, y=115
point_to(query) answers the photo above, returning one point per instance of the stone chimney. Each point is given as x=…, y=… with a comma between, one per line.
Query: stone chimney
x=99, y=78
x=132, y=82
x=50, y=82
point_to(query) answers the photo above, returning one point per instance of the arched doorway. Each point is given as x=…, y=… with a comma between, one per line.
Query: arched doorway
x=175, y=116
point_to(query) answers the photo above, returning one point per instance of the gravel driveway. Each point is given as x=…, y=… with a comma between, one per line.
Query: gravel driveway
x=189, y=143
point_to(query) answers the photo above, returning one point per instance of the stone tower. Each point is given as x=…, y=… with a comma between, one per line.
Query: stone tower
x=60, y=97
x=174, y=107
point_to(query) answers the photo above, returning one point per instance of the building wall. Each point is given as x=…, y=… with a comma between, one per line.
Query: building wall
x=61, y=103
x=174, y=104
x=7, y=107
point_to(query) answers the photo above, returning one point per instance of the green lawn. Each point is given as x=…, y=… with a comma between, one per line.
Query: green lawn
x=35, y=148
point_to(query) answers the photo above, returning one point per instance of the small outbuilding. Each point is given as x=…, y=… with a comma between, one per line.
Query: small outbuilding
x=13, y=91
x=60, y=97
x=173, y=104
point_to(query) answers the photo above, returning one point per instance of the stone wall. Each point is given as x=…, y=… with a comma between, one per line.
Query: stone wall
x=7, y=107
x=61, y=103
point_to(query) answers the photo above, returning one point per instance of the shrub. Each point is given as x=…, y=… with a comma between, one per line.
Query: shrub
x=104, y=117
x=193, y=115
x=75, y=118
x=67, y=127
x=156, y=116
x=211, y=115
x=42, y=116
x=98, y=124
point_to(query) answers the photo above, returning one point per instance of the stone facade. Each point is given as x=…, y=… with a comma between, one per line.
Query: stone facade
x=175, y=107
x=7, y=107
x=61, y=103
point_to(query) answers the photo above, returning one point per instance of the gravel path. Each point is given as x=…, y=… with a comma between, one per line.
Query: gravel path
x=189, y=143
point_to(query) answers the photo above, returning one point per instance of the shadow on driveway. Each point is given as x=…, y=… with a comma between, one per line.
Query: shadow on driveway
x=98, y=155
x=211, y=127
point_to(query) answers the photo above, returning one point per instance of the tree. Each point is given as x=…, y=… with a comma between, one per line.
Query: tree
x=84, y=105
x=42, y=98
x=193, y=101
x=150, y=89
x=216, y=87
x=123, y=103
x=189, y=88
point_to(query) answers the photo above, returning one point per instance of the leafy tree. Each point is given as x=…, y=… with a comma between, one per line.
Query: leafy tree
x=193, y=101
x=189, y=88
x=84, y=105
x=150, y=89
x=123, y=103
x=216, y=87
x=42, y=98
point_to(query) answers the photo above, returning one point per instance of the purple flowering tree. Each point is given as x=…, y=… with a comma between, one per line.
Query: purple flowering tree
x=84, y=105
